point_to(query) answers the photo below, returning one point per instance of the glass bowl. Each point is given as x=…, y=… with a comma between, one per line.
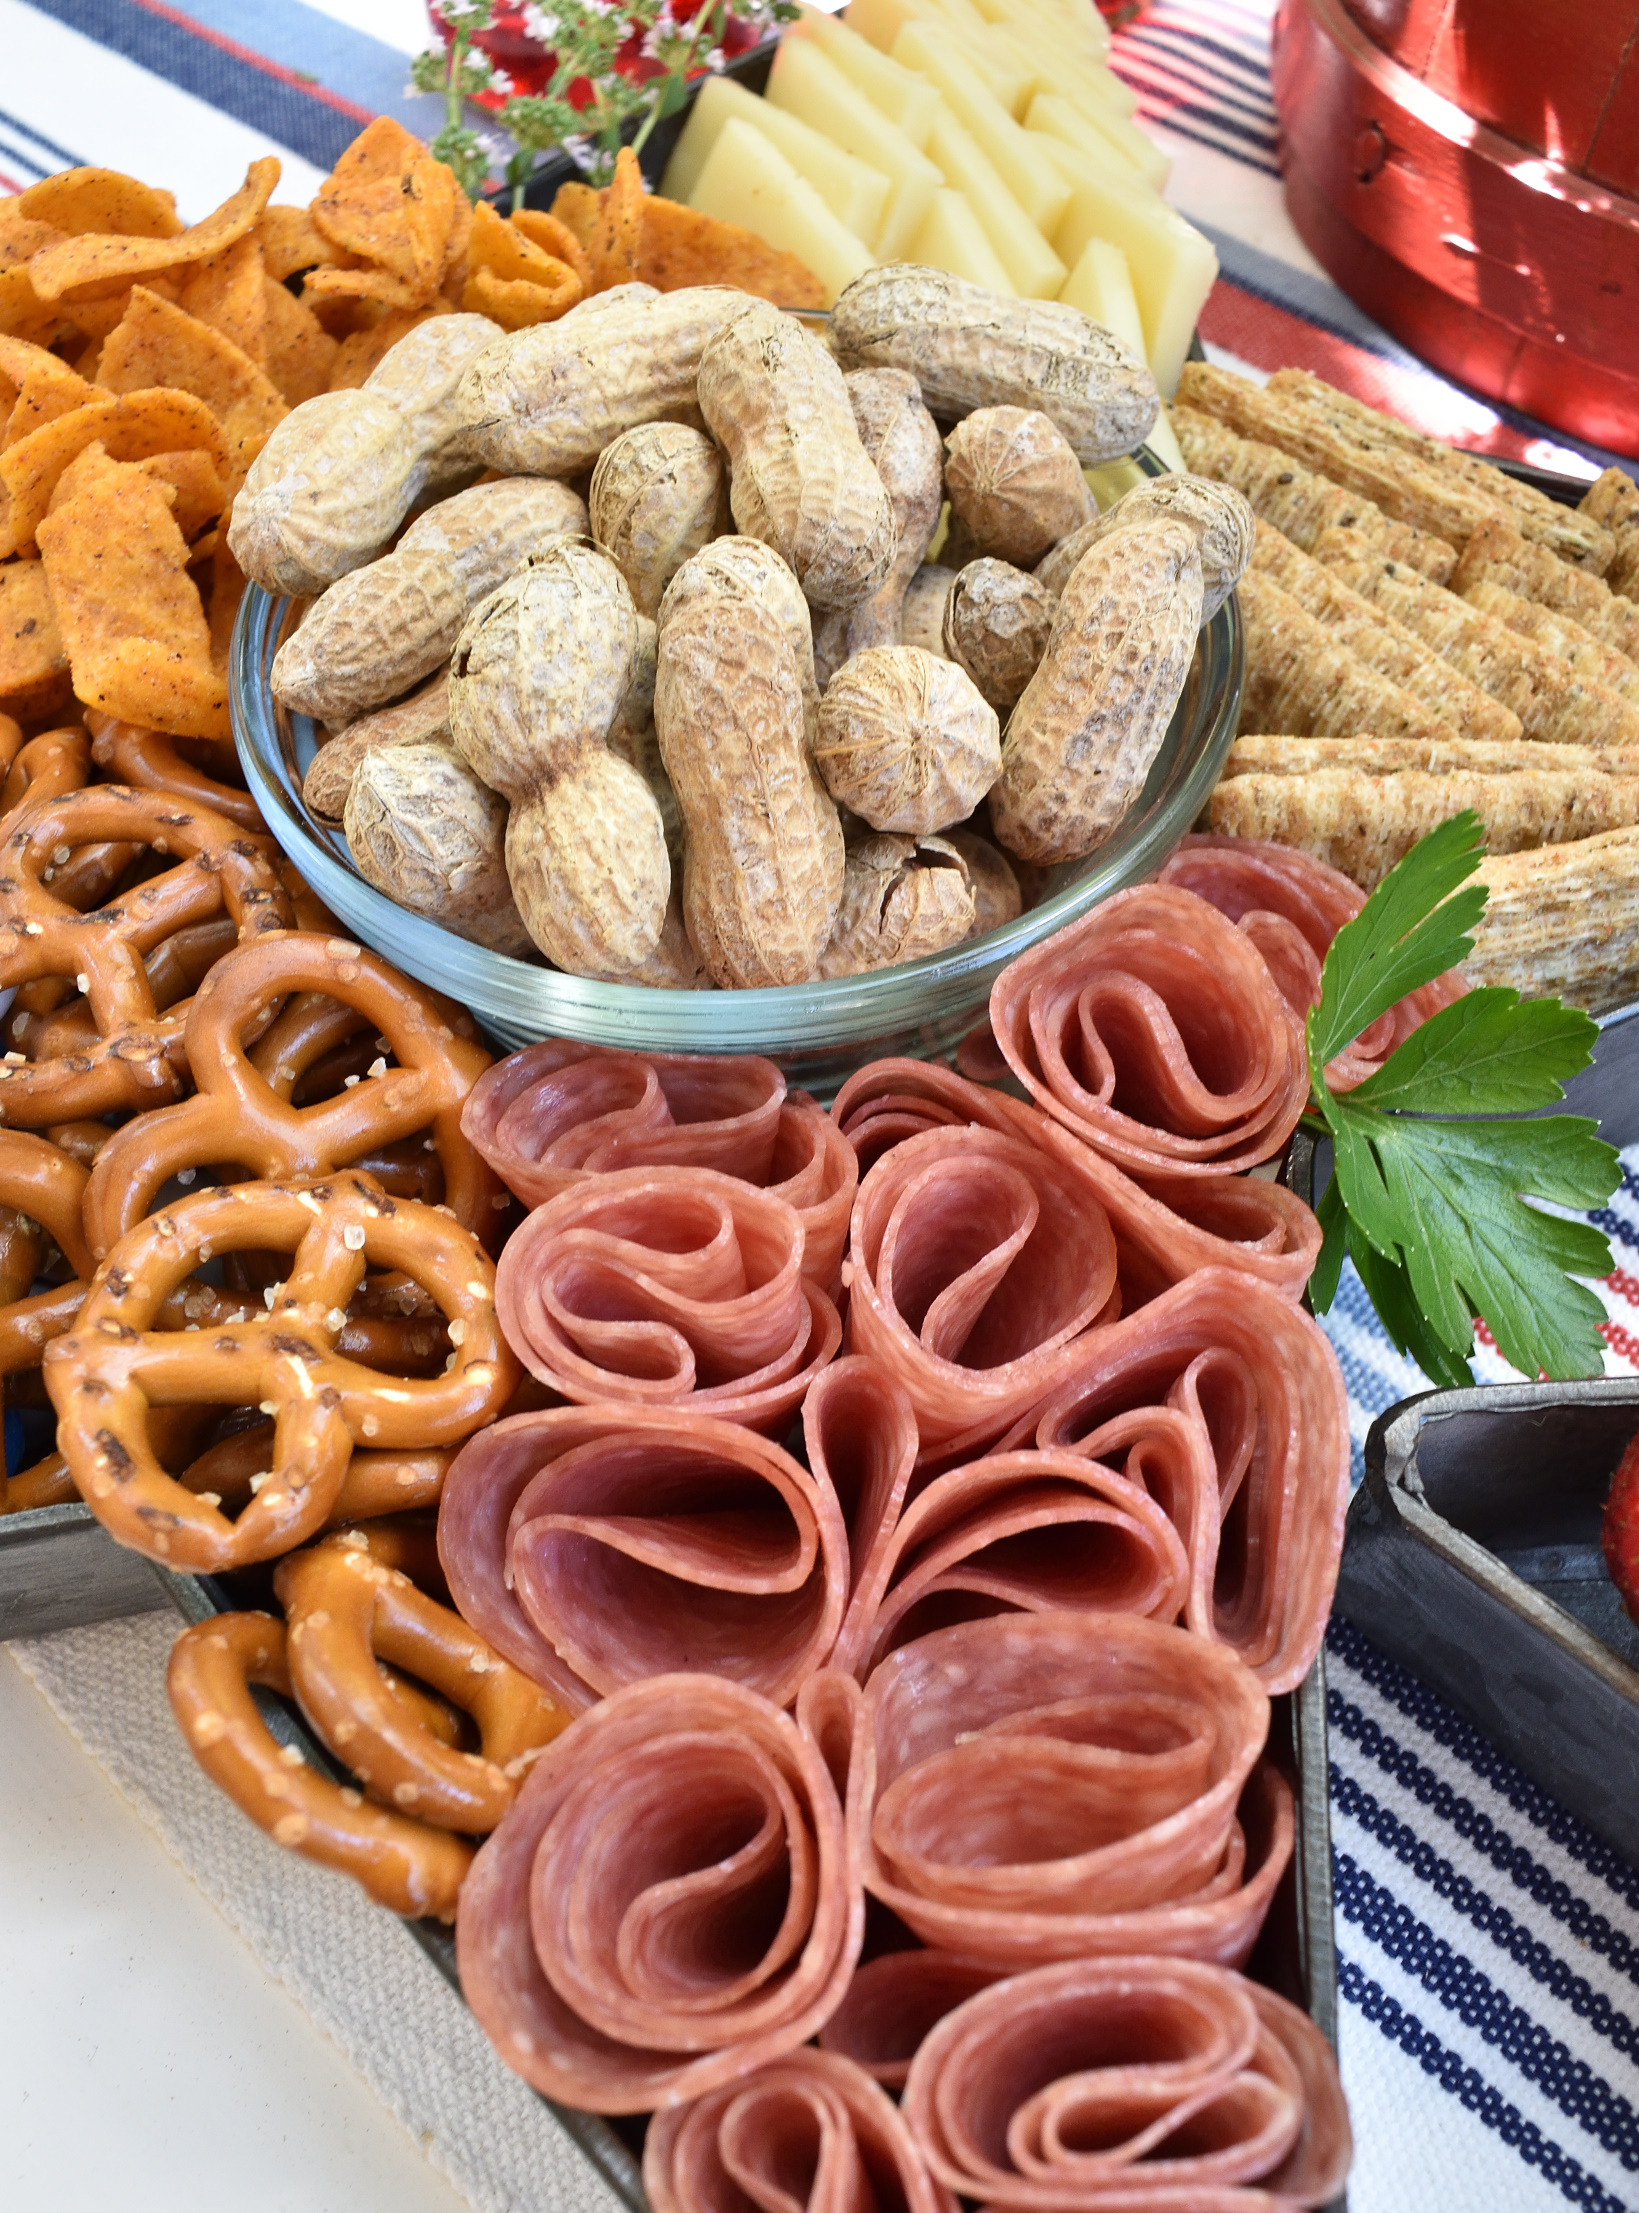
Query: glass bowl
x=818, y=1032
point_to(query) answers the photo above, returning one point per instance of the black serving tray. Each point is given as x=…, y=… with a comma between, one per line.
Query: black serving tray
x=1295, y=1953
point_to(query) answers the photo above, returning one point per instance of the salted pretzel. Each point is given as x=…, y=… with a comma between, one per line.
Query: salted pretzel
x=407, y=1866
x=48, y=767
x=241, y=1112
x=231, y=1470
x=115, y=1364
x=150, y=761
x=136, y=1058
x=345, y=1608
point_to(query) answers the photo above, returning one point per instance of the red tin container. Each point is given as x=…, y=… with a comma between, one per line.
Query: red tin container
x=1468, y=171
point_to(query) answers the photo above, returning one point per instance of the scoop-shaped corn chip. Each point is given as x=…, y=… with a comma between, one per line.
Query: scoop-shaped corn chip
x=33, y=665
x=359, y=356
x=290, y=241
x=157, y=343
x=577, y=207
x=103, y=260
x=389, y=202
x=129, y=428
x=553, y=236
x=79, y=200
x=131, y=619
x=226, y=292
x=682, y=247
x=516, y=303
x=617, y=244
x=300, y=352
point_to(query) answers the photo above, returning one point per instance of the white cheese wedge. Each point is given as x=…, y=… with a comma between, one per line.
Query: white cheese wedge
x=1018, y=155
x=806, y=83
x=1035, y=270
x=952, y=239
x=1101, y=285
x=747, y=180
x=902, y=96
x=856, y=196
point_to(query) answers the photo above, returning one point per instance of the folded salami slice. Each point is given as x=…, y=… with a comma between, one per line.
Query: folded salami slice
x=1253, y=1469
x=668, y=1286
x=673, y=1899
x=894, y=2001
x=1153, y=1029
x=1036, y=1532
x=559, y=1111
x=607, y=1544
x=859, y=1431
x=810, y=2133
x=1291, y=906
x=1057, y=1786
x=1134, y=2085
x=1176, y=1223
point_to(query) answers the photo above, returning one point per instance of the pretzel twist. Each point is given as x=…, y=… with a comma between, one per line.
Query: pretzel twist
x=137, y=1056
x=241, y=1112
x=344, y=1609
x=150, y=761
x=115, y=1365
x=407, y=1866
x=49, y=767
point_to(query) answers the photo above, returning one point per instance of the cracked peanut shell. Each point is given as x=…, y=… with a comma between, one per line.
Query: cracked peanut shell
x=901, y=441
x=903, y=898
x=997, y=623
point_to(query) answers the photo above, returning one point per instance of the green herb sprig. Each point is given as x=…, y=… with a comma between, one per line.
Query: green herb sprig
x=1431, y=1191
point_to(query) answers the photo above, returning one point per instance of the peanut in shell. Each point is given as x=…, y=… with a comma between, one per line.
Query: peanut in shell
x=905, y=740
x=425, y=831
x=1015, y=485
x=901, y=440
x=903, y=898
x=1080, y=742
x=997, y=624
x=418, y=720
x=658, y=494
x=922, y=617
x=970, y=348
x=1221, y=518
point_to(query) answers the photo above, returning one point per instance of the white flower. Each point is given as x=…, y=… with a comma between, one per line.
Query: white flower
x=499, y=81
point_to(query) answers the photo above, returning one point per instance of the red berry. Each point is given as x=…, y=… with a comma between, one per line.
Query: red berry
x=1619, y=1534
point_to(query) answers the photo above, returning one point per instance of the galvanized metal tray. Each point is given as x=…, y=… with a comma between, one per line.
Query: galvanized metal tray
x=1295, y=1953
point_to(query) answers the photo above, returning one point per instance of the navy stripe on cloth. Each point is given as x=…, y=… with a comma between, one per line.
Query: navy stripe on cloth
x=1456, y=1736
x=311, y=123
x=1467, y=1991
x=1393, y=2021
x=1484, y=1836
x=24, y=136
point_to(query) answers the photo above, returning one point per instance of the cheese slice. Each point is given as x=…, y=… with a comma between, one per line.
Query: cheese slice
x=1017, y=155
x=952, y=239
x=1077, y=121
x=806, y=83
x=856, y=196
x=902, y=96
x=747, y=180
x=1035, y=271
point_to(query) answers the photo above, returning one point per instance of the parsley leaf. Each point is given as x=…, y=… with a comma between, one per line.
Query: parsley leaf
x=1432, y=1186
x=1409, y=931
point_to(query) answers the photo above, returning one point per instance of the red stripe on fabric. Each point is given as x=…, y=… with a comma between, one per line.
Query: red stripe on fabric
x=254, y=60
x=1271, y=337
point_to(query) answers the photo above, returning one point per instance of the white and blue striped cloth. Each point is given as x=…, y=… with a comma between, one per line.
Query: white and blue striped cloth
x=1489, y=1944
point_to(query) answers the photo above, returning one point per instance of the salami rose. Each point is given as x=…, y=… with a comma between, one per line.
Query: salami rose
x=1184, y=1222
x=1135, y=2085
x=668, y=1286
x=1253, y=1467
x=673, y=1899
x=1154, y=1031
x=1291, y=906
x=810, y=2133
x=1055, y=1786
x=894, y=2001
x=558, y=1112
x=601, y=1545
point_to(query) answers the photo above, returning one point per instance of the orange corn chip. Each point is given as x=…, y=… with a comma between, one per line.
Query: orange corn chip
x=617, y=244
x=42, y=388
x=227, y=589
x=129, y=428
x=389, y=202
x=102, y=260
x=300, y=352
x=291, y=241
x=21, y=238
x=516, y=303
x=226, y=292
x=577, y=207
x=192, y=488
x=23, y=314
x=160, y=344
x=80, y=200
x=378, y=285
x=453, y=281
x=682, y=247
x=360, y=355
x=131, y=618
x=33, y=665
x=554, y=236
x=513, y=281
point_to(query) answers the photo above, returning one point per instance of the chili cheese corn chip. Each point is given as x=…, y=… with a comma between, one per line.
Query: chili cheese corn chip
x=512, y=280
x=34, y=676
x=131, y=618
x=578, y=207
x=292, y=242
x=388, y=202
x=128, y=427
x=227, y=293
x=157, y=343
x=300, y=352
x=360, y=355
x=75, y=201
x=20, y=237
x=616, y=245
x=42, y=388
x=553, y=236
x=101, y=261
x=682, y=247
x=195, y=489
